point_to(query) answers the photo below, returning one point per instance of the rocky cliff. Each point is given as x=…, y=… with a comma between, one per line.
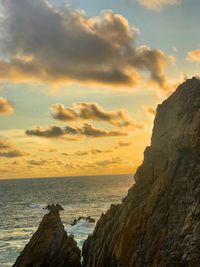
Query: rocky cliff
x=158, y=223
x=50, y=246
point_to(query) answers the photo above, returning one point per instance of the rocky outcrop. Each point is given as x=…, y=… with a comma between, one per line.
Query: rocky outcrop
x=158, y=223
x=54, y=207
x=50, y=246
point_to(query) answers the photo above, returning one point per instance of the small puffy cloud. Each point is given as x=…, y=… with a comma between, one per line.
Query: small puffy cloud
x=93, y=111
x=194, y=56
x=81, y=153
x=97, y=151
x=52, y=150
x=93, y=151
x=8, y=151
x=37, y=162
x=158, y=4
x=50, y=163
x=123, y=143
x=108, y=163
x=46, y=43
x=66, y=154
x=4, y=145
x=172, y=59
x=11, y=154
x=150, y=110
x=5, y=106
x=87, y=130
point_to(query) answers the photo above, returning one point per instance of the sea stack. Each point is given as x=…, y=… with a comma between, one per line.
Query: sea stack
x=158, y=223
x=50, y=246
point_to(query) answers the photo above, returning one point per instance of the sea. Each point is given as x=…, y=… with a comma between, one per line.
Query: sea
x=22, y=203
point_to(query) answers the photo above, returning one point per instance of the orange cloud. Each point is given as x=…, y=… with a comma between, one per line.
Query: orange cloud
x=4, y=145
x=123, y=143
x=194, y=56
x=150, y=110
x=5, y=106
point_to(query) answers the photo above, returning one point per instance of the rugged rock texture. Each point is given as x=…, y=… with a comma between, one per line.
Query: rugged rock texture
x=158, y=223
x=50, y=246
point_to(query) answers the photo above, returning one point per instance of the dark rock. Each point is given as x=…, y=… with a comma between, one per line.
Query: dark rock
x=54, y=207
x=50, y=246
x=158, y=223
x=88, y=219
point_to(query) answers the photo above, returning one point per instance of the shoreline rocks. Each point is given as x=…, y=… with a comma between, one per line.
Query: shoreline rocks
x=50, y=246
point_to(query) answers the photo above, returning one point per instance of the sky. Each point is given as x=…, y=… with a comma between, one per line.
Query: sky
x=80, y=81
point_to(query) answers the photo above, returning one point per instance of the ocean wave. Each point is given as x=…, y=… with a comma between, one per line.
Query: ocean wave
x=37, y=206
x=80, y=231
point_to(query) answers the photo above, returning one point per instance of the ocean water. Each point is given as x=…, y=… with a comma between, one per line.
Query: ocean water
x=23, y=200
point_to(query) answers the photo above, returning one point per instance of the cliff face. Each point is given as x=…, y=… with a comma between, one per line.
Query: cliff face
x=50, y=245
x=158, y=223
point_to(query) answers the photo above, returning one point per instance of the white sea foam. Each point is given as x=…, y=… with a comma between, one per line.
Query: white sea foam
x=81, y=230
x=37, y=206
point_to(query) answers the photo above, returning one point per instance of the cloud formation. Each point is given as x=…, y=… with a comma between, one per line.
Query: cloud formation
x=48, y=163
x=8, y=151
x=123, y=143
x=194, y=56
x=11, y=154
x=93, y=111
x=158, y=4
x=5, y=106
x=108, y=163
x=93, y=151
x=4, y=145
x=37, y=162
x=51, y=44
x=87, y=130
x=150, y=110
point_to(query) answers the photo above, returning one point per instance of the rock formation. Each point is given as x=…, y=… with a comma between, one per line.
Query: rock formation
x=54, y=207
x=158, y=223
x=50, y=246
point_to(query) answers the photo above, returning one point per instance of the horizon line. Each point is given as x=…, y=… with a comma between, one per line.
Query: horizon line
x=61, y=177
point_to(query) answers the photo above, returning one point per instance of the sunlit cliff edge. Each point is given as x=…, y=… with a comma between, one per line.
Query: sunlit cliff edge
x=158, y=223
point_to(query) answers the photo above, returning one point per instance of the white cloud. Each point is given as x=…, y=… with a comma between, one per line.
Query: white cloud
x=158, y=4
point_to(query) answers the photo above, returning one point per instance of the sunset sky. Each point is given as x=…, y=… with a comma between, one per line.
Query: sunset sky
x=80, y=81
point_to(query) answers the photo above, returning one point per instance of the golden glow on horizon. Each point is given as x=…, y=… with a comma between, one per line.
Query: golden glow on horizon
x=78, y=97
x=53, y=158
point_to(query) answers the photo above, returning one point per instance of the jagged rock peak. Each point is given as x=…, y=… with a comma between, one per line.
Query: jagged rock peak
x=54, y=208
x=50, y=246
x=158, y=223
